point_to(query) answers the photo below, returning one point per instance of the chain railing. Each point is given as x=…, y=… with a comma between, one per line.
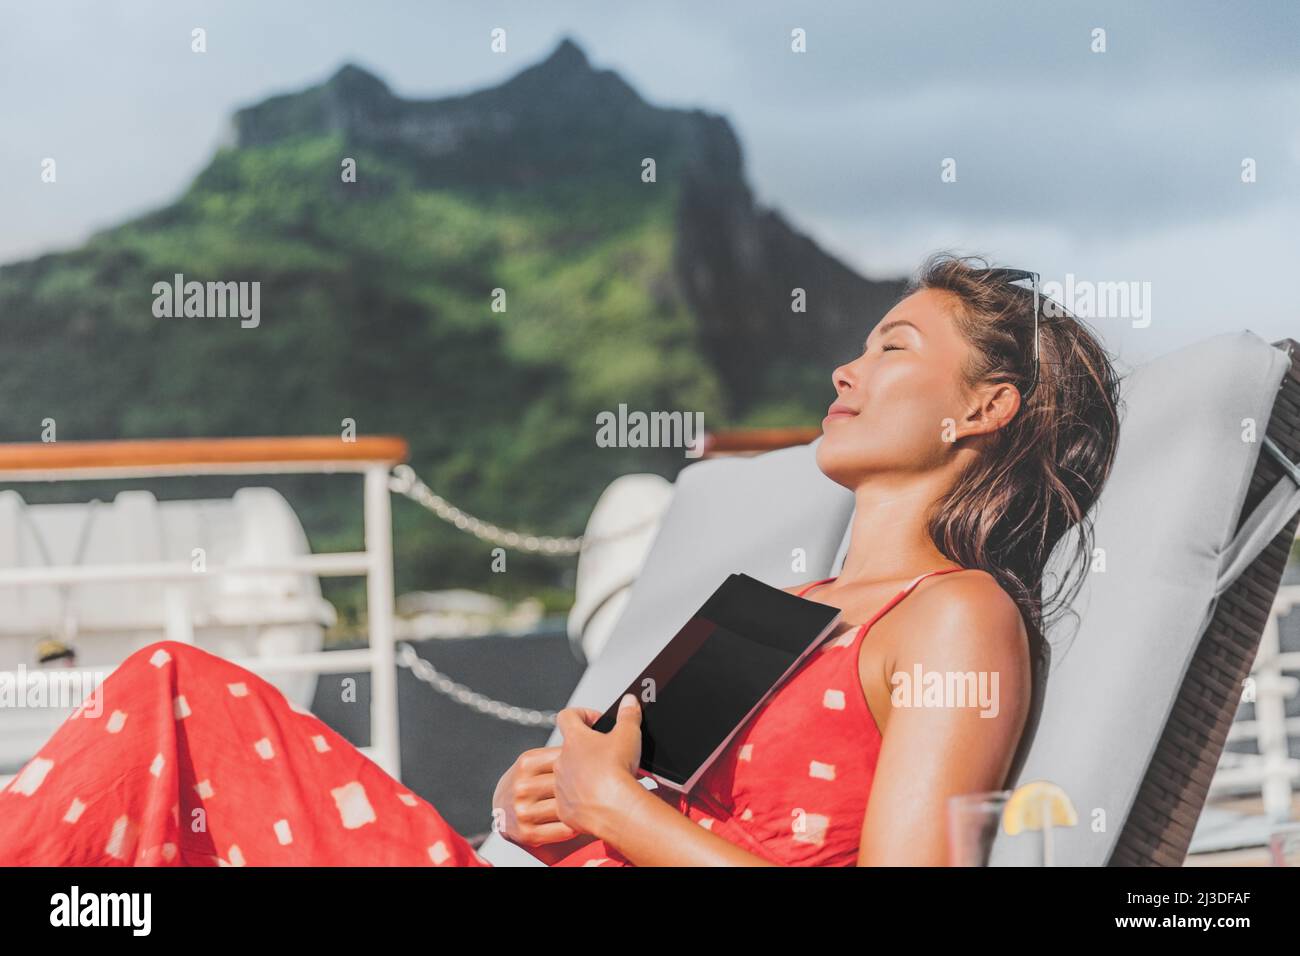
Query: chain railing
x=404, y=481
x=423, y=670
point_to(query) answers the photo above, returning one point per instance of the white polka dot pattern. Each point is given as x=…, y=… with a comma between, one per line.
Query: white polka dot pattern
x=31, y=777
x=353, y=805
x=75, y=809
x=248, y=780
x=793, y=783
x=821, y=771
x=121, y=839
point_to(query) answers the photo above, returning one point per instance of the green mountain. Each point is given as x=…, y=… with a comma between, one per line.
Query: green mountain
x=376, y=303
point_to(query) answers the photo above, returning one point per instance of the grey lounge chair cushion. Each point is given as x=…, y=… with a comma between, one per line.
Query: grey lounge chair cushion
x=1165, y=522
x=727, y=514
x=755, y=515
x=1165, y=526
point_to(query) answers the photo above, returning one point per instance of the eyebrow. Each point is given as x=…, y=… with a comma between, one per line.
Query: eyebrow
x=889, y=327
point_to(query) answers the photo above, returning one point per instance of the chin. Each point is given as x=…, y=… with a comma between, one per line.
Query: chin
x=835, y=463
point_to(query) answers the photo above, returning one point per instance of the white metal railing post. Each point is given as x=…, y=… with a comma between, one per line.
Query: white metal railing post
x=384, y=738
x=179, y=621
x=1270, y=715
x=1271, y=772
x=371, y=456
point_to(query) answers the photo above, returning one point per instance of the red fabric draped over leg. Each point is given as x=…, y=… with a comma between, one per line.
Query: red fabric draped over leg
x=182, y=758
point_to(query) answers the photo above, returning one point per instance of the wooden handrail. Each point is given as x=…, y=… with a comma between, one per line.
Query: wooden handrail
x=755, y=440
x=196, y=453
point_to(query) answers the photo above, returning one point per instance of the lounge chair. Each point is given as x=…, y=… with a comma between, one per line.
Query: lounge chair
x=1195, y=528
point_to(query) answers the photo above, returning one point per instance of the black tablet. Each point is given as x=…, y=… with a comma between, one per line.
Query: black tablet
x=715, y=672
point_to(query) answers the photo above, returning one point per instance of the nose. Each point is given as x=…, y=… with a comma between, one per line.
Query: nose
x=843, y=378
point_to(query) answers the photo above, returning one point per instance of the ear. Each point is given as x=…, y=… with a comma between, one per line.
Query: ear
x=992, y=407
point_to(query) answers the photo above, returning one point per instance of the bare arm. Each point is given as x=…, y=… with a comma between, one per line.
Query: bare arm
x=525, y=799
x=963, y=625
x=597, y=792
x=523, y=808
x=552, y=853
x=928, y=754
x=650, y=832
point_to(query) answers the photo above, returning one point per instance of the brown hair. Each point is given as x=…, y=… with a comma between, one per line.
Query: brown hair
x=1043, y=470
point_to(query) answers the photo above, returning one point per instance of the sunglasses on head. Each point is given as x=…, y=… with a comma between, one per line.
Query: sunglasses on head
x=1013, y=276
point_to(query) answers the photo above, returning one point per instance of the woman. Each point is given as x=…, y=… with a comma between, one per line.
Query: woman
x=974, y=435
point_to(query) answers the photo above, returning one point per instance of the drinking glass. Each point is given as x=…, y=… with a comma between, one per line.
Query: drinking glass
x=973, y=822
x=1284, y=845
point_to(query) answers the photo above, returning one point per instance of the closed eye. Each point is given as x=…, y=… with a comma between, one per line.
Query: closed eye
x=866, y=347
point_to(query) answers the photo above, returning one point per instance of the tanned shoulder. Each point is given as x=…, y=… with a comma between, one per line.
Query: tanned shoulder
x=960, y=617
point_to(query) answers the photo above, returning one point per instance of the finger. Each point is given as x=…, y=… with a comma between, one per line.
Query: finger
x=568, y=722
x=536, y=788
x=550, y=833
x=539, y=760
x=629, y=711
x=588, y=715
x=628, y=723
x=539, y=812
x=563, y=719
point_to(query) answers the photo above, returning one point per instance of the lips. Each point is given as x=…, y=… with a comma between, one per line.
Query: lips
x=839, y=410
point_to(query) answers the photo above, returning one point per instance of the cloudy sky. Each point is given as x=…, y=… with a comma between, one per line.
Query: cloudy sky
x=1115, y=166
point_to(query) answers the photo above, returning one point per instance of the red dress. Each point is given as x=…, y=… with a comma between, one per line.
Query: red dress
x=182, y=758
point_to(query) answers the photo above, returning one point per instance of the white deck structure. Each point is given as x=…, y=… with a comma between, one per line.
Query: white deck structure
x=235, y=576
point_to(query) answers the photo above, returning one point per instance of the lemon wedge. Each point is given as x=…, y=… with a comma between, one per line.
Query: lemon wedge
x=1037, y=805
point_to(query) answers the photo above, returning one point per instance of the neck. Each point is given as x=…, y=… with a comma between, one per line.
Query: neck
x=888, y=540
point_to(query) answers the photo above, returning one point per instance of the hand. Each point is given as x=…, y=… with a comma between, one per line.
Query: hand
x=525, y=795
x=593, y=769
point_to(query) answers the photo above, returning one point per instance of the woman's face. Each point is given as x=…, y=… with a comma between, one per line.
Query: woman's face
x=899, y=392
